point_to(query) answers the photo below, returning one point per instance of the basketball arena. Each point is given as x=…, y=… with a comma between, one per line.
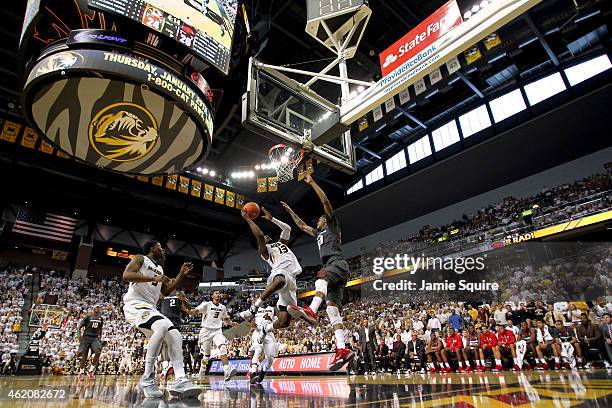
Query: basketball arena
x=344, y=203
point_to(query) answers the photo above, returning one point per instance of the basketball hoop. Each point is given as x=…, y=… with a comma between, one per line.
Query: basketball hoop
x=285, y=159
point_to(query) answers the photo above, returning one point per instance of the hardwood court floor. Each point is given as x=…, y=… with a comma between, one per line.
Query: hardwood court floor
x=585, y=388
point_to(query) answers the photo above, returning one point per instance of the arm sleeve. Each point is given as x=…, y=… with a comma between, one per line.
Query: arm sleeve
x=285, y=228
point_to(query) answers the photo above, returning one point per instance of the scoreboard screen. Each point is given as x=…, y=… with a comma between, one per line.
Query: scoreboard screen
x=317, y=9
x=204, y=26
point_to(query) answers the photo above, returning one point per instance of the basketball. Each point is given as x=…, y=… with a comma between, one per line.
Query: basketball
x=252, y=209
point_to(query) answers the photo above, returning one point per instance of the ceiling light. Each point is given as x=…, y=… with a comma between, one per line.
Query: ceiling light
x=212, y=173
x=475, y=8
x=199, y=169
x=204, y=170
x=467, y=15
x=484, y=3
x=361, y=88
x=233, y=175
x=251, y=174
x=257, y=167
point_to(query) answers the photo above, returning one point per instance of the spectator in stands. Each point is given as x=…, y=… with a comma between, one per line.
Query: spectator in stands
x=397, y=352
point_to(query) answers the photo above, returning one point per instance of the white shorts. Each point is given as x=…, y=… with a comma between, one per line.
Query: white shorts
x=269, y=339
x=138, y=313
x=208, y=337
x=287, y=295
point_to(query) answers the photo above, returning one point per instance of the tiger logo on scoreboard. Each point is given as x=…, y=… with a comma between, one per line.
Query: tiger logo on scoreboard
x=123, y=132
x=59, y=61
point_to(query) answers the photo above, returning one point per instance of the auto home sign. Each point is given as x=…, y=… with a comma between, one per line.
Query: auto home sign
x=421, y=37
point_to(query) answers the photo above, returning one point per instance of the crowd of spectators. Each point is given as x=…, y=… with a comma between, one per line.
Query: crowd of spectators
x=12, y=290
x=498, y=221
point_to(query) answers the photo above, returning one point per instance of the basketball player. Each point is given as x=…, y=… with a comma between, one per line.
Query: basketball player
x=282, y=279
x=147, y=282
x=90, y=339
x=170, y=307
x=214, y=314
x=331, y=279
x=262, y=343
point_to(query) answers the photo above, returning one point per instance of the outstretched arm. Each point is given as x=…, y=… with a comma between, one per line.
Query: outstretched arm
x=285, y=229
x=185, y=305
x=298, y=221
x=169, y=285
x=259, y=236
x=329, y=211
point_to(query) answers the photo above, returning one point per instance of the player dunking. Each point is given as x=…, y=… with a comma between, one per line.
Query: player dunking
x=147, y=282
x=214, y=314
x=90, y=339
x=331, y=279
x=285, y=268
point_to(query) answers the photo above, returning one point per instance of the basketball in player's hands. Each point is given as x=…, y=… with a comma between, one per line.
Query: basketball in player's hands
x=251, y=209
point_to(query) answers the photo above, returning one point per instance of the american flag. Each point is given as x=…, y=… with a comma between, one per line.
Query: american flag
x=44, y=225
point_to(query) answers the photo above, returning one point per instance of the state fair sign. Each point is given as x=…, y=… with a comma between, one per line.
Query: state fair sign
x=422, y=36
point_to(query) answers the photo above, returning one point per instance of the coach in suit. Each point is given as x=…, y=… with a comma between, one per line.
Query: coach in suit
x=368, y=345
x=415, y=349
x=397, y=352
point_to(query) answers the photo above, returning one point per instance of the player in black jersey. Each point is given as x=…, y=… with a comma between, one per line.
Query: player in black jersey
x=171, y=306
x=331, y=279
x=89, y=338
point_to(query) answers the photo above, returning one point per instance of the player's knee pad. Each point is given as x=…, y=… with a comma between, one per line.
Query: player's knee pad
x=334, y=315
x=223, y=350
x=321, y=286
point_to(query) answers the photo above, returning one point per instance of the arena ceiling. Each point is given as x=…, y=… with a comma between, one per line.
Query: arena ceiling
x=552, y=33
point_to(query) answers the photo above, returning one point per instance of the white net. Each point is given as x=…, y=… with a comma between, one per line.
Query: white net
x=285, y=159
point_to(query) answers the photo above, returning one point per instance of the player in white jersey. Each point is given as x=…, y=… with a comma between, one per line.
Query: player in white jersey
x=147, y=282
x=262, y=343
x=214, y=314
x=285, y=268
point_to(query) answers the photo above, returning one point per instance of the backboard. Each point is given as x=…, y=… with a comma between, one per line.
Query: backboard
x=284, y=110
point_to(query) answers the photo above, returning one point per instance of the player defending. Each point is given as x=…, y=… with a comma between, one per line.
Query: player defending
x=147, y=282
x=331, y=279
x=90, y=339
x=170, y=307
x=282, y=279
x=214, y=314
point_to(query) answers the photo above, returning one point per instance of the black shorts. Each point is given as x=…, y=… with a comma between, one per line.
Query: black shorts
x=88, y=343
x=335, y=272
